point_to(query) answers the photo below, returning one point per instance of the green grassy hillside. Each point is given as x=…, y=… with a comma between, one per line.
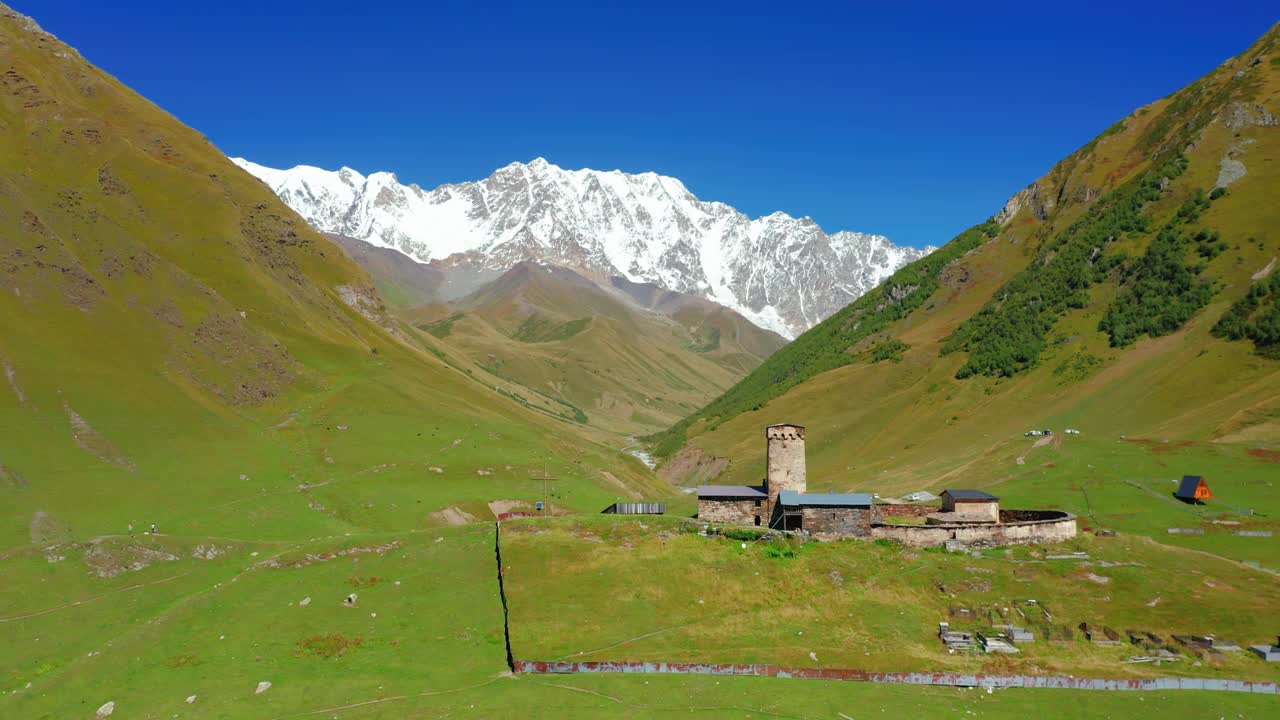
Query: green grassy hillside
x=617, y=363
x=179, y=347
x=1126, y=293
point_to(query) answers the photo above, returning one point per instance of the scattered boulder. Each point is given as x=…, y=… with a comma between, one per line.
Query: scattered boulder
x=437, y=470
x=106, y=710
x=263, y=686
x=191, y=699
x=107, y=558
x=207, y=552
x=305, y=601
x=1100, y=579
x=351, y=600
x=1242, y=115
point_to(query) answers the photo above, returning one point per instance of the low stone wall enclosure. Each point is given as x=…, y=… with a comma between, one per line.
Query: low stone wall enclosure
x=1016, y=527
x=939, y=679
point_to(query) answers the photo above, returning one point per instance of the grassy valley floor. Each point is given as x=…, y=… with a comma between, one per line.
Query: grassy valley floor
x=645, y=590
x=424, y=636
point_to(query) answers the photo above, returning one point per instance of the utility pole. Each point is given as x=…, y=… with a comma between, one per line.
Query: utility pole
x=545, y=478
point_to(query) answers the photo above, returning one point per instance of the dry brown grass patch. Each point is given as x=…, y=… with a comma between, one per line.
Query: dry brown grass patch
x=331, y=645
x=1271, y=456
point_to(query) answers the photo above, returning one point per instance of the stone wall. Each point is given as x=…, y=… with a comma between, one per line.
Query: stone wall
x=830, y=523
x=904, y=511
x=1033, y=526
x=733, y=510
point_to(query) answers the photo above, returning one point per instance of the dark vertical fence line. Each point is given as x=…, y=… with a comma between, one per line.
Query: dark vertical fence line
x=502, y=593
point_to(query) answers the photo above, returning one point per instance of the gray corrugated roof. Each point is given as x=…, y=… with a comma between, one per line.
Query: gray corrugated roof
x=731, y=491
x=791, y=498
x=785, y=425
x=970, y=495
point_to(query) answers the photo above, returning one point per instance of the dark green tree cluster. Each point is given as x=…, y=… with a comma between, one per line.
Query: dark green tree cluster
x=890, y=349
x=1256, y=317
x=826, y=346
x=1209, y=244
x=1009, y=334
x=1159, y=293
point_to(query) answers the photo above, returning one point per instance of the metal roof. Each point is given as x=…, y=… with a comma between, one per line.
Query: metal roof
x=731, y=491
x=784, y=425
x=1190, y=483
x=791, y=498
x=970, y=495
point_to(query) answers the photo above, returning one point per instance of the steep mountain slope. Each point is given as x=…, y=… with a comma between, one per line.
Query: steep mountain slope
x=180, y=347
x=783, y=273
x=1108, y=296
x=401, y=281
x=619, y=366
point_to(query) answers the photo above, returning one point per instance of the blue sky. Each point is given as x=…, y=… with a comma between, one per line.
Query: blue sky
x=913, y=121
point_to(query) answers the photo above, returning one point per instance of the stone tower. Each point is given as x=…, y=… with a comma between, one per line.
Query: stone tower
x=785, y=460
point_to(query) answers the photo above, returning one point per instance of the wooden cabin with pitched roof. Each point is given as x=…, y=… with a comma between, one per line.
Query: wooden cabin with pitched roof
x=1193, y=490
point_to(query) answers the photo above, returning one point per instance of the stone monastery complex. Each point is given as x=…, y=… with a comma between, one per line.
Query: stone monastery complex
x=782, y=502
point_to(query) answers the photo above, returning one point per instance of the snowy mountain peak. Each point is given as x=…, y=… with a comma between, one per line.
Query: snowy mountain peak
x=784, y=273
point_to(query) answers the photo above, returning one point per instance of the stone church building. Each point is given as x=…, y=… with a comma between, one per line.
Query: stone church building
x=782, y=502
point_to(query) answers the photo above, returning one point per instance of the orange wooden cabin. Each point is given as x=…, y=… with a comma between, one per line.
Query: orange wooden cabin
x=1193, y=489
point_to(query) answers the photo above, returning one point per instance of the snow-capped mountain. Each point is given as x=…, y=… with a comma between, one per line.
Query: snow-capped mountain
x=783, y=273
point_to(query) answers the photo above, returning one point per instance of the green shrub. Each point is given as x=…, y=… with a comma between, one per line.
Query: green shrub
x=890, y=349
x=1010, y=333
x=1162, y=290
x=779, y=550
x=442, y=328
x=1077, y=367
x=742, y=534
x=1256, y=317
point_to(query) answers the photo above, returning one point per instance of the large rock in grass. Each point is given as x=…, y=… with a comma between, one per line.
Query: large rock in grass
x=106, y=710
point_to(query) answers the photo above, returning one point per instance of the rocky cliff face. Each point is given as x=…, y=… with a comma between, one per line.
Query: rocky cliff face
x=783, y=273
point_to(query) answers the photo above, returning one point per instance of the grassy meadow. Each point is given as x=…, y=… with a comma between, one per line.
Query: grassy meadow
x=644, y=590
x=424, y=638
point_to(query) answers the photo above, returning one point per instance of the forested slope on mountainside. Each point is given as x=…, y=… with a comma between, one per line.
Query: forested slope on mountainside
x=1132, y=247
